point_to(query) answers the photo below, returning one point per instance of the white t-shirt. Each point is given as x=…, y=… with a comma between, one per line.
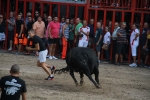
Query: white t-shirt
x=132, y=37
x=107, y=38
x=85, y=29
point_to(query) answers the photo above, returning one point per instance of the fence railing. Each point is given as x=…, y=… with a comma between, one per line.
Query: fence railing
x=69, y=1
x=111, y=3
x=143, y=5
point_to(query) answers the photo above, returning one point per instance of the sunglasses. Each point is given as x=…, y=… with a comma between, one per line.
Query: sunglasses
x=36, y=13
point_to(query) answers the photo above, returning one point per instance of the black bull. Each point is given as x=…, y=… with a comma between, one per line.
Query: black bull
x=84, y=61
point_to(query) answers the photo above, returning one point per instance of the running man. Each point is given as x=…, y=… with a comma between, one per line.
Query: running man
x=39, y=46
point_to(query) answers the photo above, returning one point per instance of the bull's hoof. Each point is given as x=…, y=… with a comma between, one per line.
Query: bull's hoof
x=81, y=83
x=77, y=84
x=98, y=86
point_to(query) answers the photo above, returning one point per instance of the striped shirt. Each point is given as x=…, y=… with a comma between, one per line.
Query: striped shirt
x=66, y=31
x=122, y=39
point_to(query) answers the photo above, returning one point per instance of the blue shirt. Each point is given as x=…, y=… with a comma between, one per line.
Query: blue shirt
x=91, y=35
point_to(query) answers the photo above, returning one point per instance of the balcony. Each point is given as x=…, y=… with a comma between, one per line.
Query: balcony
x=69, y=1
x=115, y=4
x=143, y=5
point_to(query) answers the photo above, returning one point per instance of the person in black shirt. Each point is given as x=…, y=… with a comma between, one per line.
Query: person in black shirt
x=29, y=27
x=91, y=35
x=19, y=36
x=45, y=20
x=36, y=16
x=12, y=86
x=2, y=31
x=39, y=46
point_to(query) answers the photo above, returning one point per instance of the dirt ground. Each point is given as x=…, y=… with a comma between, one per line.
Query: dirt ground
x=118, y=83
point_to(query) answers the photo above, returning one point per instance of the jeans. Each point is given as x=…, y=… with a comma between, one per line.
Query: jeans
x=107, y=53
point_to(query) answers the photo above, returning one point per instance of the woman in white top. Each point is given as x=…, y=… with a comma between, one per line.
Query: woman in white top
x=134, y=42
x=107, y=42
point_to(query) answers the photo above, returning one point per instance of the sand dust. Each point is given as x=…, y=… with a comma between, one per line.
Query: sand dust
x=118, y=83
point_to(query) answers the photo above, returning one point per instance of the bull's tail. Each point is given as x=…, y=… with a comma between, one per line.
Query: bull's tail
x=63, y=70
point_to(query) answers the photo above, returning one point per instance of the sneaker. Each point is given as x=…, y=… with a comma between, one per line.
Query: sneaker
x=99, y=61
x=50, y=57
x=142, y=65
x=105, y=62
x=117, y=64
x=16, y=53
x=49, y=78
x=47, y=56
x=10, y=49
x=133, y=65
x=54, y=57
x=53, y=69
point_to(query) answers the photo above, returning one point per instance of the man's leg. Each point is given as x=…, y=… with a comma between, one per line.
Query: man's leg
x=50, y=49
x=43, y=65
x=11, y=42
x=19, y=48
x=53, y=50
x=146, y=58
x=64, y=50
x=121, y=58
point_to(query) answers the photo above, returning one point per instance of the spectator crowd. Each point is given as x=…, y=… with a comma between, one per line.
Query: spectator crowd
x=61, y=36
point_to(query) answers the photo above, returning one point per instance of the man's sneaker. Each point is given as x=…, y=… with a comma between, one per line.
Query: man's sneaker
x=54, y=57
x=133, y=65
x=10, y=49
x=117, y=64
x=53, y=69
x=47, y=56
x=49, y=78
x=50, y=57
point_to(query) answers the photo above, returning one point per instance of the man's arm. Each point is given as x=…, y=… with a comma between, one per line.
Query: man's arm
x=24, y=96
x=10, y=22
x=99, y=39
x=137, y=35
x=148, y=32
x=37, y=47
x=21, y=30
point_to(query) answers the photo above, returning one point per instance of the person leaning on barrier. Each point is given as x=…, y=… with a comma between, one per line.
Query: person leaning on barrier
x=11, y=87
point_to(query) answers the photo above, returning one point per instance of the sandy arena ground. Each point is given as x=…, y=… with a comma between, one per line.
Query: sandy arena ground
x=118, y=83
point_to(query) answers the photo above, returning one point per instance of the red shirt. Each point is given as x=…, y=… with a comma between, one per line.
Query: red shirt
x=55, y=27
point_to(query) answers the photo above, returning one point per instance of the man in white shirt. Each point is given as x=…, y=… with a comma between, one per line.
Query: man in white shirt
x=84, y=35
x=134, y=42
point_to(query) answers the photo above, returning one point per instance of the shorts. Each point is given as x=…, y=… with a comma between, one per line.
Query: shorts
x=120, y=48
x=98, y=47
x=134, y=50
x=11, y=35
x=42, y=56
x=53, y=41
x=83, y=43
x=2, y=36
x=18, y=40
